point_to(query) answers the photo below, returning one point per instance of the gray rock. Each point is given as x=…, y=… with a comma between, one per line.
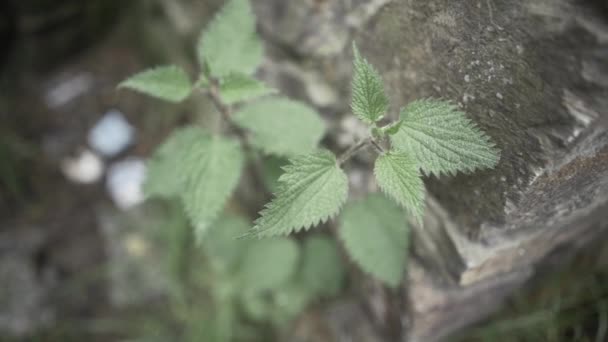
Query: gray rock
x=531, y=74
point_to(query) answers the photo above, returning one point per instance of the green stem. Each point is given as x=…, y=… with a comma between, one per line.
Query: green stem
x=257, y=169
x=344, y=157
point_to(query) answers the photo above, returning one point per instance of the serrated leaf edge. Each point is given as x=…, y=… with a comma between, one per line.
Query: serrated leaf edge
x=257, y=233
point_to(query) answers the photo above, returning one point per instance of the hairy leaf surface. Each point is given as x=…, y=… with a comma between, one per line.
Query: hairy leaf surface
x=281, y=126
x=199, y=168
x=398, y=176
x=239, y=87
x=169, y=83
x=369, y=101
x=376, y=235
x=230, y=44
x=163, y=178
x=441, y=139
x=269, y=263
x=312, y=189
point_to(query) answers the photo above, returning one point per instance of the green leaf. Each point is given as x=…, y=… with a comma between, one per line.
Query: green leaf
x=398, y=176
x=256, y=306
x=224, y=251
x=441, y=139
x=202, y=82
x=322, y=271
x=239, y=87
x=218, y=174
x=163, y=178
x=268, y=264
x=312, y=189
x=393, y=128
x=289, y=301
x=376, y=235
x=273, y=169
x=230, y=44
x=199, y=168
x=170, y=83
x=280, y=307
x=369, y=101
x=281, y=126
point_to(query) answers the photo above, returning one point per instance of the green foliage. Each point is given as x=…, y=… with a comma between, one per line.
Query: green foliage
x=376, y=235
x=281, y=126
x=282, y=306
x=268, y=264
x=392, y=129
x=273, y=169
x=289, y=302
x=239, y=87
x=200, y=168
x=224, y=251
x=398, y=176
x=256, y=307
x=322, y=270
x=162, y=180
x=442, y=140
x=235, y=289
x=369, y=101
x=319, y=274
x=170, y=83
x=272, y=280
x=312, y=189
x=230, y=44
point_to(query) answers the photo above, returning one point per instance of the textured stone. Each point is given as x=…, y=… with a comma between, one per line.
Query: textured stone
x=532, y=74
x=523, y=72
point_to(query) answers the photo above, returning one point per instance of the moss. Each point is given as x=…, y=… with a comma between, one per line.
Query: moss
x=494, y=61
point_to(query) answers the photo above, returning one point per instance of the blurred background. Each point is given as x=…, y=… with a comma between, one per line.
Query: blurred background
x=84, y=257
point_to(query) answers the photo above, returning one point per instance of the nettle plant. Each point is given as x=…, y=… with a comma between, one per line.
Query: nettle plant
x=202, y=168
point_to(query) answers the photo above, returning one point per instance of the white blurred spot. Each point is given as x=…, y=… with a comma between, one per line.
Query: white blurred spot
x=85, y=168
x=112, y=134
x=68, y=90
x=125, y=181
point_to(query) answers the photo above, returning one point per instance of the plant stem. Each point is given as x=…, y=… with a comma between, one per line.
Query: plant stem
x=377, y=146
x=352, y=150
x=257, y=169
x=225, y=111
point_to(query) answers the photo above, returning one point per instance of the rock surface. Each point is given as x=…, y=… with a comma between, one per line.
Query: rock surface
x=531, y=74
